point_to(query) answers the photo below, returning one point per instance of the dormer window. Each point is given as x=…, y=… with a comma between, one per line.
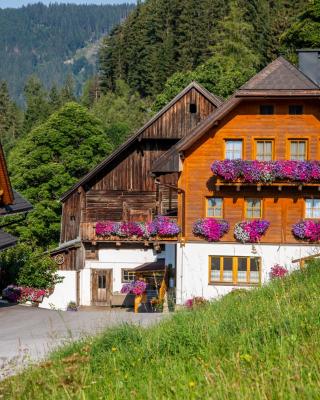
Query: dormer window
x=193, y=108
x=266, y=109
x=295, y=109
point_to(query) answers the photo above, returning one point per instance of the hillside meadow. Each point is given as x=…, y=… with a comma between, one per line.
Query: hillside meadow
x=262, y=344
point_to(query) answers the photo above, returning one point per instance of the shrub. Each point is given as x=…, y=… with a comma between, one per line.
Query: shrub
x=277, y=271
x=39, y=272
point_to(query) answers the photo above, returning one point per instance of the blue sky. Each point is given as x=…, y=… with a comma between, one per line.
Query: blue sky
x=20, y=3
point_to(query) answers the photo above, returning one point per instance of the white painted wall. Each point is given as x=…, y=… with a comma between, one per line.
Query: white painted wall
x=193, y=260
x=115, y=259
x=118, y=259
x=64, y=292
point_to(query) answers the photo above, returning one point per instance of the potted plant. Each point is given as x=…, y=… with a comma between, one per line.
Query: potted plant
x=72, y=306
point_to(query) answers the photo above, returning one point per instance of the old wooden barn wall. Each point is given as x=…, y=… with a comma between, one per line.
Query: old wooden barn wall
x=178, y=120
x=125, y=190
x=282, y=209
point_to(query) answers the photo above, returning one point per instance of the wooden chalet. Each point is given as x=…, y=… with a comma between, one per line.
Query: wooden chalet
x=274, y=116
x=121, y=188
x=11, y=202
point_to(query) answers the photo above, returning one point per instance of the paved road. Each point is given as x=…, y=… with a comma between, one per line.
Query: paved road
x=29, y=334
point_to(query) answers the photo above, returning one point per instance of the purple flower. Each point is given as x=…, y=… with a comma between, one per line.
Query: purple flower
x=210, y=229
x=267, y=171
x=308, y=230
x=161, y=226
x=250, y=231
x=134, y=287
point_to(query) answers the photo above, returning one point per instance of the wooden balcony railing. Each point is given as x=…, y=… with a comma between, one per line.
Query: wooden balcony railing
x=88, y=234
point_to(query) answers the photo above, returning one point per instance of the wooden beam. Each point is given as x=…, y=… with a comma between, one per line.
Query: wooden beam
x=306, y=258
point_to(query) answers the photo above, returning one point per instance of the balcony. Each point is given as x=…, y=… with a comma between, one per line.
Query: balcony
x=160, y=230
x=280, y=174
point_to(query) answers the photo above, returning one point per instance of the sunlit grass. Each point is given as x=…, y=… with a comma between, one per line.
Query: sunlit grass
x=263, y=344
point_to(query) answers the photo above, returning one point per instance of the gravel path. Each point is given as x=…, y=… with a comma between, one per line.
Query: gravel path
x=28, y=334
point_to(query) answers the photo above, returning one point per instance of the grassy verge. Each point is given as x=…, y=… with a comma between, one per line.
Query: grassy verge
x=264, y=344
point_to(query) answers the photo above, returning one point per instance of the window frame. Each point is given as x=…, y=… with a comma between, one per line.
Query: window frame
x=295, y=105
x=246, y=207
x=235, y=264
x=207, y=206
x=266, y=105
x=255, y=151
x=290, y=140
x=226, y=140
x=305, y=207
x=123, y=270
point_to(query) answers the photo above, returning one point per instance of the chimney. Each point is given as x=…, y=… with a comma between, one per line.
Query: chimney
x=309, y=63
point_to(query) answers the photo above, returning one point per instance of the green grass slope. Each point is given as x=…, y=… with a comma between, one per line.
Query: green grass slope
x=263, y=344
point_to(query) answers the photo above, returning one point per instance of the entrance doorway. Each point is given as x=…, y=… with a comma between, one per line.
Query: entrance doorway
x=101, y=287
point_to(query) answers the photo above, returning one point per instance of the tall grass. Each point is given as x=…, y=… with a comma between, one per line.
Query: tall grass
x=262, y=344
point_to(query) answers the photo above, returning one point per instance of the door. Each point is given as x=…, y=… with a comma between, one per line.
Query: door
x=101, y=287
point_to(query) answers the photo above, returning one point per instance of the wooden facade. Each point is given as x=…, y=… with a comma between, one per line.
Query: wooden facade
x=282, y=205
x=121, y=187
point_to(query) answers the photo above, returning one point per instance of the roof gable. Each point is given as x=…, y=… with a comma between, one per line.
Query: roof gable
x=280, y=75
x=278, y=79
x=216, y=101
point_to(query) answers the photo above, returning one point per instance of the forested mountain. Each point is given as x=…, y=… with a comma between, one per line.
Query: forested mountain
x=162, y=37
x=52, y=42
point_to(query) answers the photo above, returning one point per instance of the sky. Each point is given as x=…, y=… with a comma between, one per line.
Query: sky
x=20, y=3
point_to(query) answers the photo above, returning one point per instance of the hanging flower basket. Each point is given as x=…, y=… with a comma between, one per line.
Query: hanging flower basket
x=308, y=230
x=267, y=171
x=210, y=229
x=161, y=227
x=250, y=231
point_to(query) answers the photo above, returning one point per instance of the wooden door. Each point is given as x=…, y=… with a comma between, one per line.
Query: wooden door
x=101, y=287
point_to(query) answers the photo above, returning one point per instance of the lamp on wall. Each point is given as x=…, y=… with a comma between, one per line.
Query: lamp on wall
x=253, y=249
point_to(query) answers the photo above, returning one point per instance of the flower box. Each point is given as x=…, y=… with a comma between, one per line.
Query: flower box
x=161, y=228
x=250, y=231
x=210, y=229
x=244, y=171
x=308, y=230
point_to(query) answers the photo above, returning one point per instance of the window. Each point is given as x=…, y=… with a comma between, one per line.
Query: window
x=298, y=150
x=214, y=207
x=127, y=275
x=193, y=108
x=266, y=109
x=253, y=208
x=295, y=109
x=233, y=149
x=102, y=282
x=264, y=150
x=312, y=209
x=234, y=270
